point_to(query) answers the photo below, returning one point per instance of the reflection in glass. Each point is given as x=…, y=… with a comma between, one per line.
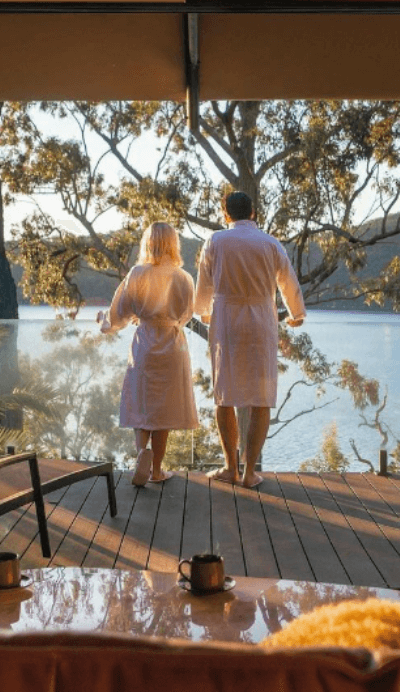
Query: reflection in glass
x=151, y=603
x=69, y=378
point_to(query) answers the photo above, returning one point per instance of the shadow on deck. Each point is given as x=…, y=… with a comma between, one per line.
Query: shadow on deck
x=342, y=529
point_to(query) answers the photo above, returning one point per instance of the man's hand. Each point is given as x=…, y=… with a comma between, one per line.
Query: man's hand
x=294, y=323
x=206, y=319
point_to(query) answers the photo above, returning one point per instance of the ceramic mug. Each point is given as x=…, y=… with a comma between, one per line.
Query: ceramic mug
x=10, y=570
x=207, y=573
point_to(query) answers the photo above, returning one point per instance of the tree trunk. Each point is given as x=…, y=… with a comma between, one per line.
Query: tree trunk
x=249, y=112
x=9, y=373
x=8, y=289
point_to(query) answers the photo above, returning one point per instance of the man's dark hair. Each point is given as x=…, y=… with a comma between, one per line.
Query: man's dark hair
x=238, y=206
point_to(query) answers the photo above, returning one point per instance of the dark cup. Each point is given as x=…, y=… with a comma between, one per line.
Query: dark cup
x=10, y=571
x=207, y=574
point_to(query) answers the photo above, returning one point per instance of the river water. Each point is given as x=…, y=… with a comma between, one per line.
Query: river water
x=370, y=339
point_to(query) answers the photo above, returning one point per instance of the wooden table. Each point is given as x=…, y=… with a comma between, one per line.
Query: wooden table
x=151, y=603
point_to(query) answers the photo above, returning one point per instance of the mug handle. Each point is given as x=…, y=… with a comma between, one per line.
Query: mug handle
x=183, y=562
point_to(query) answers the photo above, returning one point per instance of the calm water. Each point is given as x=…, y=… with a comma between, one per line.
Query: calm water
x=371, y=340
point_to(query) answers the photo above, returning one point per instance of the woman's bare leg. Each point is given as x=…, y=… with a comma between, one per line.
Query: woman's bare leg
x=159, y=440
x=142, y=469
x=142, y=438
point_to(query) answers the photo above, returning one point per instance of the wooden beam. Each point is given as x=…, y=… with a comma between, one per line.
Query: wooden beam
x=192, y=64
x=207, y=6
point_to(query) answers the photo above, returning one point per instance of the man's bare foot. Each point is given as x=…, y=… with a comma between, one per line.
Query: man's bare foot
x=225, y=475
x=162, y=476
x=251, y=480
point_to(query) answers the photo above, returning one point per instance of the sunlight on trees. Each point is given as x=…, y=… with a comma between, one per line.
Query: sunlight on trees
x=306, y=164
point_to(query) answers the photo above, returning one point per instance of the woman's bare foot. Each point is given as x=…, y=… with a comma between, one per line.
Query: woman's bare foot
x=143, y=467
x=251, y=480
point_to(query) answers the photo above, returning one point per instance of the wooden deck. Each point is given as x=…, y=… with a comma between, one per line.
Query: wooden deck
x=324, y=528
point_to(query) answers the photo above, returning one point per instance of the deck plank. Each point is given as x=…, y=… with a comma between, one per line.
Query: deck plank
x=290, y=556
x=9, y=521
x=258, y=552
x=134, y=551
x=25, y=532
x=73, y=548
x=324, y=561
x=166, y=544
x=60, y=521
x=226, y=540
x=104, y=549
x=367, y=531
x=386, y=553
x=196, y=538
x=294, y=526
x=356, y=561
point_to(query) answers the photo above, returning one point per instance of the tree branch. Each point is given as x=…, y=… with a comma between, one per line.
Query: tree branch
x=219, y=140
x=204, y=223
x=277, y=158
x=274, y=421
x=98, y=243
x=113, y=147
x=217, y=161
x=360, y=458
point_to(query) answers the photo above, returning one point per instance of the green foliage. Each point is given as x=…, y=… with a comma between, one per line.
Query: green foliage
x=39, y=401
x=330, y=458
x=305, y=163
x=363, y=391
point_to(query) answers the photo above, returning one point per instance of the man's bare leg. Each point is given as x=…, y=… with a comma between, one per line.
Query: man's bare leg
x=159, y=440
x=229, y=436
x=256, y=435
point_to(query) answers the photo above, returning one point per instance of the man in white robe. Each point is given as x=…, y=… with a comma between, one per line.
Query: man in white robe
x=239, y=272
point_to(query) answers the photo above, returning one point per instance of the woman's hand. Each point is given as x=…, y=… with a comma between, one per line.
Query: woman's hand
x=294, y=323
x=100, y=316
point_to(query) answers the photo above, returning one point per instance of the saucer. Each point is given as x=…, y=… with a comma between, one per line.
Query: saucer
x=229, y=583
x=26, y=580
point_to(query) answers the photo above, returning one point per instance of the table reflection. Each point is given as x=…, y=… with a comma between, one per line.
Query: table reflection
x=151, y=603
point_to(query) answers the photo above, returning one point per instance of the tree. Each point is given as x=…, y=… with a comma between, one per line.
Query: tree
x=70, y=400
x=305, y=164
x=8, y=291
x=87, y=379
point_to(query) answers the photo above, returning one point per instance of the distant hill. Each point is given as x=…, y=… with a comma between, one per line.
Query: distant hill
x=378, y=256
x=98, y=289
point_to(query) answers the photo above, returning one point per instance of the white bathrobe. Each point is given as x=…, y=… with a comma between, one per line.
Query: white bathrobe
x=157, y=393
x=240, y=270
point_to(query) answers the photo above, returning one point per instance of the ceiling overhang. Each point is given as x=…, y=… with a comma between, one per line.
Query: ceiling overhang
x=194, y=51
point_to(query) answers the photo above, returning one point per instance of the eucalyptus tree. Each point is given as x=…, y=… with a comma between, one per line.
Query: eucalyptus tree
x=306, y=165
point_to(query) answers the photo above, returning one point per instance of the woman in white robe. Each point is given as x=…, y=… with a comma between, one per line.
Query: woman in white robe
x=157, y=394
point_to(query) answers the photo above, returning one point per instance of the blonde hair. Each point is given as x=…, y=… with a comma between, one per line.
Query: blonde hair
x=158, y=241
